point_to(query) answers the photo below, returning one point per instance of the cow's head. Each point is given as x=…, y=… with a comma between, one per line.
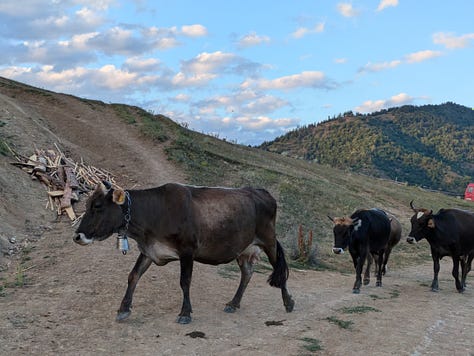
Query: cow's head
x=421, y=224
x=343, y=228
x=103, y=215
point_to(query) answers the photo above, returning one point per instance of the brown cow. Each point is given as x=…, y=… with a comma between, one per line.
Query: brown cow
x=186, y=223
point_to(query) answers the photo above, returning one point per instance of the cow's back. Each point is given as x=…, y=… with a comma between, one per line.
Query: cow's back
x=456, y=225
x=395, y=231
x=375, y=227
x=227, y=220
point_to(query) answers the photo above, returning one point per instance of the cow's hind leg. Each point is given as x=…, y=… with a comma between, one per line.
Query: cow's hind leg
x=455, y=273
x=466, y=267
x=367, y=269
x=246, y=270
x=379, y=268
x=386, y=255
x=142, y=264
x=280, y=274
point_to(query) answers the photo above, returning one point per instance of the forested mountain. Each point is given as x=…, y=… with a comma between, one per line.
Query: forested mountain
x=431, y=145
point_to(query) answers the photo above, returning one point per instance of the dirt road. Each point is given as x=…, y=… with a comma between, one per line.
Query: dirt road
x=71, y=293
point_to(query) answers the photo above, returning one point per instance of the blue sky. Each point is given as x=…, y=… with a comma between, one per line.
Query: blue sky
x=247, y=71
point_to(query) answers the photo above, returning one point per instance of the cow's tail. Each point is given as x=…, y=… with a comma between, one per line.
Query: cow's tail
x=280, y=272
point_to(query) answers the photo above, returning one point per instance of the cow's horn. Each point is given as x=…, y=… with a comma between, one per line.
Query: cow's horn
x=107, y=184
x=330, y=218
x=412, y=206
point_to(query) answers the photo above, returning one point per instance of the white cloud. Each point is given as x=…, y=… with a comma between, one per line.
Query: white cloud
x=183, y=98
x=387, y=3
x=246, y=103
x=136, y=64
x=194, y=30
x=421, y=56
x=89, y=17
x=29, y=19
x=377, y=67
x=303, y=31
x=252, y=39
x=97, y=4
x=259, y=122
x=346, y=10
x=309, y=79
x=410, y=58
x=450, y=41
x=264, y=104
x=182, y=80
x=340, y=60
x=208, y=62
x=396, y=100
x=80, y=41
x=14, y=72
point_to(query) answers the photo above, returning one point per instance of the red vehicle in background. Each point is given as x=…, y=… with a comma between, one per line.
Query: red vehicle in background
x=469, y=193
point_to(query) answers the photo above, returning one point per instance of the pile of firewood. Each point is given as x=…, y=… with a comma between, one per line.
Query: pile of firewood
x=64, y=179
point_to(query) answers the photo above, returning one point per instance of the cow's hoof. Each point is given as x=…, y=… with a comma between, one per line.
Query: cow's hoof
x=461, y=290
x=289, y=307
x=356, y=291
x=230, y=308
x=121, y=316
x=378, y=284
x=183, y=319
x=434, y=289
x=366, y=281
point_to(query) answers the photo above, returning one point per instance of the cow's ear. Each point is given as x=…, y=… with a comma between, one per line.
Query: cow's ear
x=118, y=196
x=431, y=223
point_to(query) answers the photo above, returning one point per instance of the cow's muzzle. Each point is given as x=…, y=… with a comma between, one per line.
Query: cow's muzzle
x=81, y=239
x=411, y=240
x=337, y=250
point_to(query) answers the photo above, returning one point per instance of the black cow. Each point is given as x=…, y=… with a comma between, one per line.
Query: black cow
x=186, y=223
x=394, y=239
x=450, y=232
x=364, y=232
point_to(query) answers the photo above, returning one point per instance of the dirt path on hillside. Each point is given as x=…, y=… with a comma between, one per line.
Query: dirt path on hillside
x=71, y=293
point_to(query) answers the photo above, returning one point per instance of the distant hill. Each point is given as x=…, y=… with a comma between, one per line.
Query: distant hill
x=430, y=146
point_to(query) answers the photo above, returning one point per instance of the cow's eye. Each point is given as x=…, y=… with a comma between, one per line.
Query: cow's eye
x=97, y=205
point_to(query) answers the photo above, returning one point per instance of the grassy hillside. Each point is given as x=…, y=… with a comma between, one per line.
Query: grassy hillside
x=430, y=146
x=306, y=191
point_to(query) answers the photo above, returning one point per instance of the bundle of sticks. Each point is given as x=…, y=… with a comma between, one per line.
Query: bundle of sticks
x=64, y=179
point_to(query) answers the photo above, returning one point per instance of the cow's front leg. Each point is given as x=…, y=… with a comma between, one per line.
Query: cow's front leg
x=185, y=283
x=142, y=264
x=459, y=285
x=434, y=284
x=359, y=264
